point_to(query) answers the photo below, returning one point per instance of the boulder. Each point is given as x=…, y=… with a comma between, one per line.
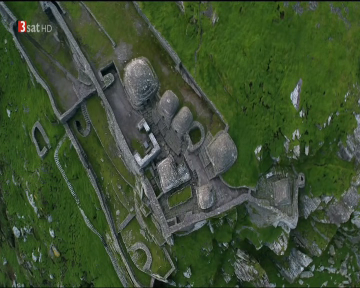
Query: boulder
x=279, y=246
x=294, y=265
x=16, y=232
x=247, y=269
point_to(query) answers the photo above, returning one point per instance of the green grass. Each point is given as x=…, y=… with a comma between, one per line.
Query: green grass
x=107, y=176
x=79, y=180
x=100, y=124
x=180, y=197
x=99, y=49
x=131, y=234
x=40, y=139
x=250, y=61
x=82, y=254
x=136, y=145
x=195, y=135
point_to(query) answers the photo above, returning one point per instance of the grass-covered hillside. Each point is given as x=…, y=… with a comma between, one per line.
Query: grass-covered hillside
x=250, y=60
x=35, y=199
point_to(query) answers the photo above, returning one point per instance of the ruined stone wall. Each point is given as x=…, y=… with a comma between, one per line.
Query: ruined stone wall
x=179, y=65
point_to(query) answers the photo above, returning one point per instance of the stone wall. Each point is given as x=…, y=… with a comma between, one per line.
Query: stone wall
x=118, y=270
x=43, y=151
x=92, y=177
x=121, y=250
x=179, y=65
x=11, y=28
x=63, y=118
x=113, y=126
x=98, y=23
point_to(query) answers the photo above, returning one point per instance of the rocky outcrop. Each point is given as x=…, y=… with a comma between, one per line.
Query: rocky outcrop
x=247, y=269
x=340, y=211
x=294, y=265
x=351, y=149
x=307, y=205
x=279, y=246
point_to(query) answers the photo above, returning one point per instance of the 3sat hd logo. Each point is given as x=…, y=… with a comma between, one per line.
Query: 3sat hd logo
x=23, y=27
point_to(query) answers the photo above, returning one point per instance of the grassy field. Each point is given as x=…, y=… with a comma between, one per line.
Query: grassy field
x=81, y=252
x=250, y=61
x=79, y=180
x=180, y=197
x=109, y=179
x=99, y=122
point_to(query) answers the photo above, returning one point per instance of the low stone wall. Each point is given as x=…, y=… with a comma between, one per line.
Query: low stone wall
x=157, y=210
x=43, y=151
x=142, y=162
x=142, y=246
x=60, y=6
x=179, y=65
x=39, y=80
x=118, y=270
x=98, y=23
x=84, y=132
x=121, y=250
x=7, y=16
x=63, y=118
x=126, y=221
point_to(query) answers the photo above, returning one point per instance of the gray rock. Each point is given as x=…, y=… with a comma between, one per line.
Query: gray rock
x=343, y=268
x=296, y=263
x=308, y=205
x=295, y=95
x=340, y=210
x=331, y=250
x=187, y=273
x=306, y=274
x=279, y=246
x=247, y=269
x=356, y=219
x=16, y=232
